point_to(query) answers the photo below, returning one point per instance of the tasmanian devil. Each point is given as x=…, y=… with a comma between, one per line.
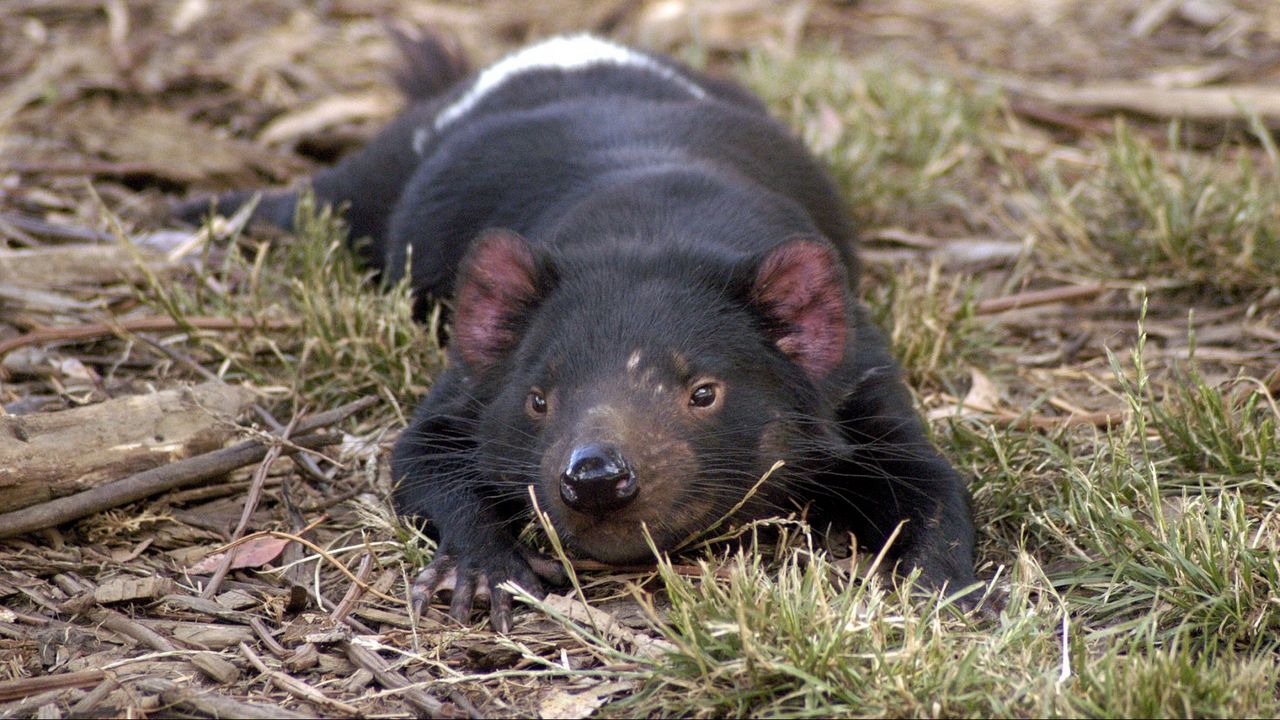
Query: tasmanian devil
x=652, y=289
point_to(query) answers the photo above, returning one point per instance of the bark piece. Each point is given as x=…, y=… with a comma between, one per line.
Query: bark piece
x=215, y=667
x=126, y=589
x=214, y=636
x=48, y=455
x=75, y=265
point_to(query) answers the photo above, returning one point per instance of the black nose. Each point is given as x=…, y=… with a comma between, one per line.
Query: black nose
x=597, y=480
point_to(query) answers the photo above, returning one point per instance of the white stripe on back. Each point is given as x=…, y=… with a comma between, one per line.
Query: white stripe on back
x=570, y=52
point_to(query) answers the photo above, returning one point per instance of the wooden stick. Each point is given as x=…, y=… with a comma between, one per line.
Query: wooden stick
x=1032, y=298
x=25, y=687
x=250, y=505
x=167, y=477
x=142, y=324
x=93, y=698
x=136, y=487
x=296, y=687
x=1042, y=422
x=212, y=704
x=87, y=167
x=1220, y=102
x=390, y=679
x=36, y=226
x=117, y=623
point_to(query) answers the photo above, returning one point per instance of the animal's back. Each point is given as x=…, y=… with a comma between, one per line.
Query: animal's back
x=544, y=149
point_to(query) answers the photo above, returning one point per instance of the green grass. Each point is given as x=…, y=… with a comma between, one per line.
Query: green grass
x=350, y=338
x=905, y=146
x=929, y=317
x=1172, y=216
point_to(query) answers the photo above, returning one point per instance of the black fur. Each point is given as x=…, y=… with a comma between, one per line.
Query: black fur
x=635, y=216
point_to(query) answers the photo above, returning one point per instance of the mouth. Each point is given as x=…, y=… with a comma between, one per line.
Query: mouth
x=626, y=538
x=610, y=539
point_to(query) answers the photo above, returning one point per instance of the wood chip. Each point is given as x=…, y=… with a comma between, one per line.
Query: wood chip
x=609, y=626
x=327, y=113
x=127, y=589
x=26, y=687
x=214, y=636
x=215, y=667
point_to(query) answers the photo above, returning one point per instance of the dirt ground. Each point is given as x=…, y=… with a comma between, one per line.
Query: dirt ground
x=110, y=110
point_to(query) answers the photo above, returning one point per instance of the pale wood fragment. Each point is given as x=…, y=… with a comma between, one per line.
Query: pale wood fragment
x=212, y=704
x=1212, y=103
x=128, y=589
x=49, y=455
x=76, y=265
x=215, y=667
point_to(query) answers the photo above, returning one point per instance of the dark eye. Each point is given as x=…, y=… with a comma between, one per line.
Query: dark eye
x=536, y=403
x=703, y=396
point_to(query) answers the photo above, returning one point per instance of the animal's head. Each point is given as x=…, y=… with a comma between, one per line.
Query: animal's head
x=647, y=389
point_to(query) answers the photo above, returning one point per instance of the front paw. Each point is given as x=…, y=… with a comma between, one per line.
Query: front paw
x=472, y=576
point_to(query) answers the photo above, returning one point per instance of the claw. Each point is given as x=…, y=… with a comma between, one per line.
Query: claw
x=463, y=592
x=440, y=574
x=499, y=608
x=472, y=581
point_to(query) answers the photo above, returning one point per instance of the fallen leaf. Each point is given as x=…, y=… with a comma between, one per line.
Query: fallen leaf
x=254, y=553
x=983, y=394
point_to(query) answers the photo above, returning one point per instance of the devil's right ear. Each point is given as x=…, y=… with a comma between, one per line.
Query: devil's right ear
x=800, y=285
x=497, y=284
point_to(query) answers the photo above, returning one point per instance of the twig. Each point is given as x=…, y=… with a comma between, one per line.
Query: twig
x=390, y=679
x=156, y=480
x=94, y=697
x=143, y=324
x=36, y=226
x=212, y=704
x=692, y=571
x=1044, y=113
x=1043, y=422
x=117, y=623
x=354, y=591
x=25, y=687
x=85, y=167
x=1032, y=298
x=1221, y=102
x=296, y=687
x=264, y=634
x=167, y=477
x=250, y=505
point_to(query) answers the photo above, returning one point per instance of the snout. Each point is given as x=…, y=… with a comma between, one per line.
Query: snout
x=597, y=480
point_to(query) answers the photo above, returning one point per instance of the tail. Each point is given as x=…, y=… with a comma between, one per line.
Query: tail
x=369, y=181
x=432, y=62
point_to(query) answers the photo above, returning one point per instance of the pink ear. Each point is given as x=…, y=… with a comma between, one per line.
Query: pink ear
x=494, y=285
x=801, y=285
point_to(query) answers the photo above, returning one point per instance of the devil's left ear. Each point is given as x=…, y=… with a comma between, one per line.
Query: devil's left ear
x=800, y=286
x=497, y=283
